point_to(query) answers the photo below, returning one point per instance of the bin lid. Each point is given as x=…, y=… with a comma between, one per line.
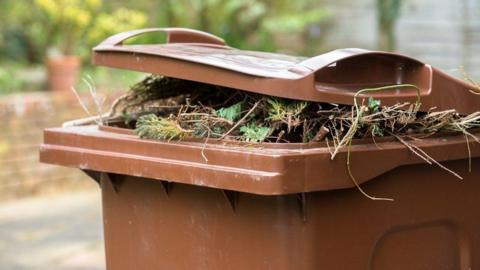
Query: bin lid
x=332, y=77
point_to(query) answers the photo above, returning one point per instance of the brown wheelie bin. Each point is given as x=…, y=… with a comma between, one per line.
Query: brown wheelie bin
x=279, y=206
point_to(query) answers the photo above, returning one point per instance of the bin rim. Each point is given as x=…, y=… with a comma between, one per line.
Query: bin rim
x=265, y=171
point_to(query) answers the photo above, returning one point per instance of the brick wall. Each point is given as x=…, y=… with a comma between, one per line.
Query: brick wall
x=22, y=119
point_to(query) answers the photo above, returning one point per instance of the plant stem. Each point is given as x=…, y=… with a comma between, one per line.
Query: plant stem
x=241, y=120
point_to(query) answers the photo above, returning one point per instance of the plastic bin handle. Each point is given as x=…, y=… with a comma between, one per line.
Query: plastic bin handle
x=174, y=35
x=347, y=79
x=324, y=60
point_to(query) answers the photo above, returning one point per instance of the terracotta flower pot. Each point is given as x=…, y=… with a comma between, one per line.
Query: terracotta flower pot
x=62, y=72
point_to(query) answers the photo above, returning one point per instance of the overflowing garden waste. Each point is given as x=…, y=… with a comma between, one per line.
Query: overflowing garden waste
x=164, y=108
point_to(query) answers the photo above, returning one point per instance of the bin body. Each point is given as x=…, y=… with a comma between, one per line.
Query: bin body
x=432, y=224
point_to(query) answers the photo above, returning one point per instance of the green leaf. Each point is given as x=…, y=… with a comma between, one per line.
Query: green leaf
x=279, y=110
x=377, y=131
x=153, y=127
x=373, y=104
x=253, y=133
x=231, y=113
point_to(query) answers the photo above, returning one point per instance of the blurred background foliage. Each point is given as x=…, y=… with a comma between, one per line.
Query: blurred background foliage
x=31, y=30
x=38, y=27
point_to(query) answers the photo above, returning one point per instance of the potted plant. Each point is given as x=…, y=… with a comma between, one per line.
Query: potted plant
x=65, y=22
x=70, y=25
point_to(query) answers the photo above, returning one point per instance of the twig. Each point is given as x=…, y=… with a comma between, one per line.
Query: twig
x=426, y=156
x=328, y=146
x=321, y=134
x=82, y=104
x=469, y=154
x=205, y=145
x=359, y=110
x=116, y=102
x=98, y=101
x=349, y=169
x=241, y=120
x=411, y=148
x=280, y=135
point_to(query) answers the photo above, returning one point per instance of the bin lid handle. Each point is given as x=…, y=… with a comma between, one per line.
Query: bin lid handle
x=344, y=89
x=324, y=60
x=174, y=35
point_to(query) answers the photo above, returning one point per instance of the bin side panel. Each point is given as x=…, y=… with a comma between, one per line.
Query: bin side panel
x=433, y=224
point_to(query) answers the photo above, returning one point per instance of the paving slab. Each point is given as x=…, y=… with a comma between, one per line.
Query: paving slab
x=53, y=232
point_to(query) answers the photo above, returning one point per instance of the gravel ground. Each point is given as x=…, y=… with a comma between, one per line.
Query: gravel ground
x=61, y=232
